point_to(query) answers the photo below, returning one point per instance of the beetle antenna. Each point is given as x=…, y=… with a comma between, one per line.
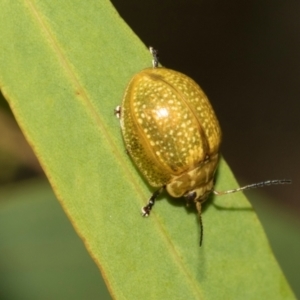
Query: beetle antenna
x=254, y=185
x=201, y=229
x=199, y=209
x=147, y=209
x=154, y=53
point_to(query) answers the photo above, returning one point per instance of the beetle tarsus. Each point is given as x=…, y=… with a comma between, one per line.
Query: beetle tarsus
x=117, y=111
x=154, y=53
x=146, y=211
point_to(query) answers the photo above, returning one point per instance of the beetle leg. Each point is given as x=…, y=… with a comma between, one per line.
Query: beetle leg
x=189, y=197
x=147, y=209
x=117, y=111
x=154, y=53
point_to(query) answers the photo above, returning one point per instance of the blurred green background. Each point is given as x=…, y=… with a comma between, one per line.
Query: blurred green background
x=245, y=55
x=41, y=257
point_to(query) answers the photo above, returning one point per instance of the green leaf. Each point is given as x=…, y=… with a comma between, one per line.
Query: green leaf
x=64, y=66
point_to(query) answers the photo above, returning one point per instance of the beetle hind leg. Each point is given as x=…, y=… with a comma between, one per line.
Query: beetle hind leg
x=147, y=209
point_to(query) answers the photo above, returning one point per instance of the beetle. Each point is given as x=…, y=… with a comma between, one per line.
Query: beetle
x=173, y=135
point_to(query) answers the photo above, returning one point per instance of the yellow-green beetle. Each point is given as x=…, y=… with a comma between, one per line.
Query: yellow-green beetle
x=172, y=133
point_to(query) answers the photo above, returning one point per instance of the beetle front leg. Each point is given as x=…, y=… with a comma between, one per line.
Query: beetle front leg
x=147, y=209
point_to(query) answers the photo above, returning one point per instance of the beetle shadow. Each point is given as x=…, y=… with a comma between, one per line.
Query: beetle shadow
x=191, y=207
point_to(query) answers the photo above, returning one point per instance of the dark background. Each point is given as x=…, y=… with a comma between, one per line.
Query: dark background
x=245, y=55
